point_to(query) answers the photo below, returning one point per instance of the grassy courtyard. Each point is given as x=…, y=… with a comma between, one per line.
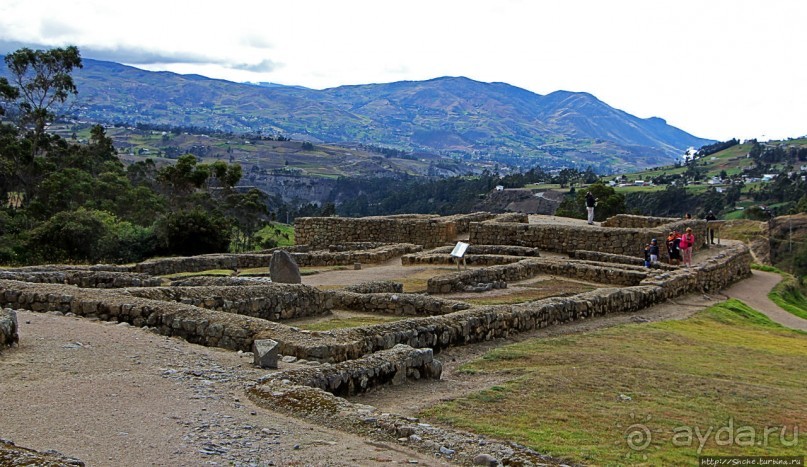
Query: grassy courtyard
x=726, y=381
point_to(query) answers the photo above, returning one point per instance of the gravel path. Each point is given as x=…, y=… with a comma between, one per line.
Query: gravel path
x=111, y=394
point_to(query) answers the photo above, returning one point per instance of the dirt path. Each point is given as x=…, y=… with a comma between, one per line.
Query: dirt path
x=116, y=395
x=754, y=292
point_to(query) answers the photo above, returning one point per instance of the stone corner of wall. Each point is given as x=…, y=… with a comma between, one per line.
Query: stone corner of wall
x=9, y=330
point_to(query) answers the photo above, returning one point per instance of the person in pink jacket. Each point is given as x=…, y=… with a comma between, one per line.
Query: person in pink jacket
x=687, y=243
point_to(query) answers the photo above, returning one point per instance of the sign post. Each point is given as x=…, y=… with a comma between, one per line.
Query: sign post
x=459, y=253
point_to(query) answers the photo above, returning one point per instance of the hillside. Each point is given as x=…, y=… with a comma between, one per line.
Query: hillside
x=451, y=116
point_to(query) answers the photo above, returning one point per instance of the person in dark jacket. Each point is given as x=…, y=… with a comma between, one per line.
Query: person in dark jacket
x=654, y=252
x=591, y=201
x=711, y=217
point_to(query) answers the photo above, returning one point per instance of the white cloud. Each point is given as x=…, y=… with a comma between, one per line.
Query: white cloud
x=718, y=69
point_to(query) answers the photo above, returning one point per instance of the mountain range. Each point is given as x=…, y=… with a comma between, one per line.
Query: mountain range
x=449, y=116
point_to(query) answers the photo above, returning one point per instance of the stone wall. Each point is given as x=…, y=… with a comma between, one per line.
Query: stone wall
x=398, y=304
x=529, y=268
x=610, y=258
x=196, y=325
x=567, y=238
x=344, y=258
x=165, y=266
x=470, y=260
x=428, y=231
x=475, y=255
x=83, y=278
x=273, y=302
x=629, y=221
x=213, y=328
x=503, y=250
x=8, y=328
x=388, y=367
x=215, y=281
x=375, y=287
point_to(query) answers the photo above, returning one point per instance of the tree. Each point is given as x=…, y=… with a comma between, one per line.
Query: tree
x=609, y=203
x=193, y=232
x=43, y=79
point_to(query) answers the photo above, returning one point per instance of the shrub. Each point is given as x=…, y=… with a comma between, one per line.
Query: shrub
x=193, y=232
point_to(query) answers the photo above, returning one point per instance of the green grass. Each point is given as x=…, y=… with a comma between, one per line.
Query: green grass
x=283, y=234
x=210, y=272
x=353, y=322
x=789, y=296
x=727, y=367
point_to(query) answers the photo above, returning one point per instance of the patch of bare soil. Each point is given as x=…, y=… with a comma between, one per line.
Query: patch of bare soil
x=116, y=395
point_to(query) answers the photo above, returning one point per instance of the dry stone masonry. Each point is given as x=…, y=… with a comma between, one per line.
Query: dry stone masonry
x=273, y=302
x=241, y=313
x=8, y=328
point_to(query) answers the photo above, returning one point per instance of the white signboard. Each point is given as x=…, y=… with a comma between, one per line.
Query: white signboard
x=459, y=250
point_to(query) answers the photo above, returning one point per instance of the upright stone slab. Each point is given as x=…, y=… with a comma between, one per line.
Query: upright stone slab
x=265, y=353
x=283, y=269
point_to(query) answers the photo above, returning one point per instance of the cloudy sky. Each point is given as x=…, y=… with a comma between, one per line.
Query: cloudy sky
x=718, y=69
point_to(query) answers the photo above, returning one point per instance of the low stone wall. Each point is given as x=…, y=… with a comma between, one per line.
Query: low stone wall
x=567, y=238
x=344, y=258
x=165, y=266
x=428, y=231
x=196, y=325
x=501, y=250
x=610, y=258
x=354, y=246
x=470, y=260
x=376, y=287
x=629, y=221
x=237, y=332
x=273, y=302
x=221, y=281
x=398, y=304
x=475, y=255
x=97, y=279
x=463, y=221
x=388, y=367
x=8, y=328
x=528, y=268
x=447, y=445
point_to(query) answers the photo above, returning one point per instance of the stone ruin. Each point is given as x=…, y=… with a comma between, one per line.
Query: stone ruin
x=246, y=314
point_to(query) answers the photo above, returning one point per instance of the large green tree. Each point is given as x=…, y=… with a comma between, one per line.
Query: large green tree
x=43, y=79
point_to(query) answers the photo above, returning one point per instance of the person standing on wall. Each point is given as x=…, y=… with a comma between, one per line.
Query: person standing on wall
x=591, y=201
x=687, y=243
x=711, y=217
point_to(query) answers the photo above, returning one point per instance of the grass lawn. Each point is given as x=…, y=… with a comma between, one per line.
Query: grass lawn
x=210, y=272
x=283, y=234
x=349, y=322
x=647, y=394
x=532, y=291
